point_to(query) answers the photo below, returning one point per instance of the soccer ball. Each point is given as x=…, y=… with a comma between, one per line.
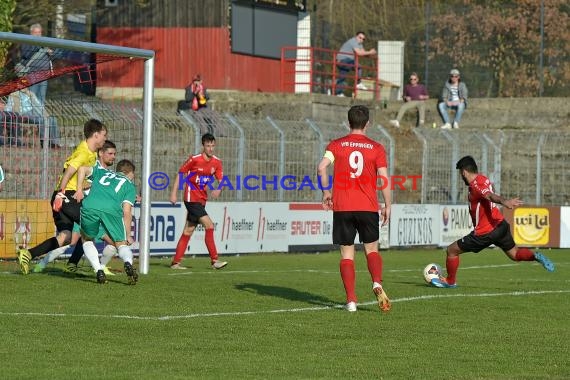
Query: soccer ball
x=431, y=271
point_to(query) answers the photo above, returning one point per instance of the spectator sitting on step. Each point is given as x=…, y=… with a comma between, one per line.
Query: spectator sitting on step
x=196, y=96
x=415, y=95
x=454, y=97
x=26, y=104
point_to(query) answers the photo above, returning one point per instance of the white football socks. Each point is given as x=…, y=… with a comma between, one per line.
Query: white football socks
x=108, y=252
x=92, y=255
x=52, y=255
x=126, y=254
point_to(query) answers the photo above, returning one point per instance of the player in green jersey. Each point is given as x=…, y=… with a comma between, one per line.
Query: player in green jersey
x=109, y=204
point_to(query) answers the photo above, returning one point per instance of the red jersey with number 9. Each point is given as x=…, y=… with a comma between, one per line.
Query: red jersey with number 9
x=357, y=159
x=485, y=214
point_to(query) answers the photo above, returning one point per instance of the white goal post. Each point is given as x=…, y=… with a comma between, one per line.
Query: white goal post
x=148, y=94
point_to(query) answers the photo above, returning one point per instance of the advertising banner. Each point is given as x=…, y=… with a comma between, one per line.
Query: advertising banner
x=455, y=223
x=253, y=227
x=564, y=227
x=311, y=226
x=166, y=225
x=273, y=229
x=414, y=225
x=244, y=228
x=535, y=226
x=238, y=228
x=24, y=223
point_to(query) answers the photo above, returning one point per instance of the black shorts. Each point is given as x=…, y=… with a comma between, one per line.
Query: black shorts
x=195, y=210
x=347, y=223
x=500, y=236
x=69, y=213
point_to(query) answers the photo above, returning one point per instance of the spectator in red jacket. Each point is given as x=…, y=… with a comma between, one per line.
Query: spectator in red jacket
x=196, y=96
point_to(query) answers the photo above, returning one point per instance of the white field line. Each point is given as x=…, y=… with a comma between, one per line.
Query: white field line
x=189, y=272
x=294, y=310
x=229, y=271
x=305, y=270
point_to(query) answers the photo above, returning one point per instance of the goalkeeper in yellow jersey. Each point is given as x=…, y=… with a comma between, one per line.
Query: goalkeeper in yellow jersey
x=66, y=209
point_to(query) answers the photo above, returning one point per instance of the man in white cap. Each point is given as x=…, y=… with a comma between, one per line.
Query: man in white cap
x=453, y=96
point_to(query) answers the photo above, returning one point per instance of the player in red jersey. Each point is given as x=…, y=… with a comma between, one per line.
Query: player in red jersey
x=198, y=171
x=358, y=162
x=490, y=225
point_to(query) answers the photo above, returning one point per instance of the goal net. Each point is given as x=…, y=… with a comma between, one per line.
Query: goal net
x=49, y=88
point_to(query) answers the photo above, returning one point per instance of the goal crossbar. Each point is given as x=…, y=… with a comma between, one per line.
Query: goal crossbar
x=90, y=47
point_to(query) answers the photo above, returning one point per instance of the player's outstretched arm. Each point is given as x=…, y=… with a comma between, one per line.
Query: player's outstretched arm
x=82, y=173
x=508, y=203
x=512, y=203
x=67, y=174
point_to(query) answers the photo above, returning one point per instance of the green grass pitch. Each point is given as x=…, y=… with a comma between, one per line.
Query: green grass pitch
x=277, y=316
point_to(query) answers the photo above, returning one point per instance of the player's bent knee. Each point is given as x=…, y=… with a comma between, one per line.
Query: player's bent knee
x=188, y=230
x=453, y=250
x=64, y=238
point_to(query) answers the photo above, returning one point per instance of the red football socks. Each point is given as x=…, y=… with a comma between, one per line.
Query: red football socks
x=211, y=245
x=374, y=261
x=181, y=248
x=348, y=278
x=524, y=254
x=451, y=264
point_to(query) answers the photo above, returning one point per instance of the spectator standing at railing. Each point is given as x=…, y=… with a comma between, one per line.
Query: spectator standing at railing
x=37, y=63
x=346, y=61
x=453, y=97
x=415, y=95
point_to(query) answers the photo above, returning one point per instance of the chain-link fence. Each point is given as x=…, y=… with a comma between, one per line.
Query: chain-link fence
x=267, y=159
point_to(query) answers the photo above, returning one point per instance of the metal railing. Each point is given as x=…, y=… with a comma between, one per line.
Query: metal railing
x=317, y=70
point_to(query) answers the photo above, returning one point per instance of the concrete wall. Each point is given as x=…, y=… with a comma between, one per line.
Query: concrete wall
x=480, y=113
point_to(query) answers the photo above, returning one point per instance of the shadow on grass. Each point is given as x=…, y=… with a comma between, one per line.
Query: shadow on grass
x=419, y=284
x=286, y=293
x=119, y=278
x=84, y=274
